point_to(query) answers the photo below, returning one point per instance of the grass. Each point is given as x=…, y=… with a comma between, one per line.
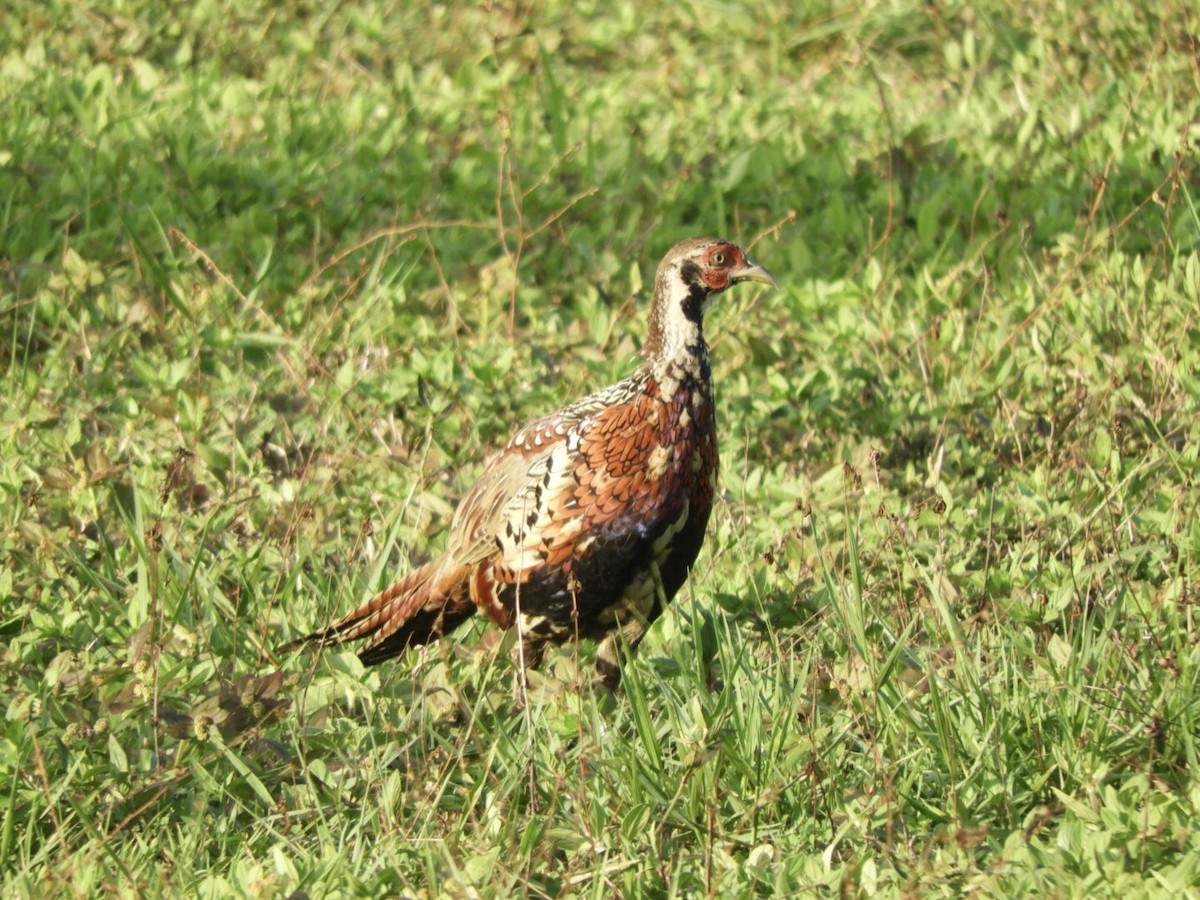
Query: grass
x=275, y=280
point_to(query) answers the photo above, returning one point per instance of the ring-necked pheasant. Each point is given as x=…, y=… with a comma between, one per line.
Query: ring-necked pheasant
x=587, y=522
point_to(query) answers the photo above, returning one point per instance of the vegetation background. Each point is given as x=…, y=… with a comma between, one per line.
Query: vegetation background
x=276, y=275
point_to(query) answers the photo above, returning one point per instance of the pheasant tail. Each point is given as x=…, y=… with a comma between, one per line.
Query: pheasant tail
x=430, y=602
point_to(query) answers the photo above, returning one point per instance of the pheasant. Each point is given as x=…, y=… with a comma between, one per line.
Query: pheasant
x=585, y=525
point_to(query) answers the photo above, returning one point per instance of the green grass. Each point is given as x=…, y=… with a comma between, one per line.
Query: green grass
x=272, y=282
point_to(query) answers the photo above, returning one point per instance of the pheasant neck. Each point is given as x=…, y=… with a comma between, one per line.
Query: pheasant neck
x=676, y=333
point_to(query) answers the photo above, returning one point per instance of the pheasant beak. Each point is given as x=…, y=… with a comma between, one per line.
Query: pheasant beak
x=752, y=271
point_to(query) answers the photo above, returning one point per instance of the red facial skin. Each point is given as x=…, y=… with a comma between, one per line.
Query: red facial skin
x=720, y=263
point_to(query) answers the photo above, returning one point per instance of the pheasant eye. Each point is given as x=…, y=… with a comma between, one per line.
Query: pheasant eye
x=717, y=259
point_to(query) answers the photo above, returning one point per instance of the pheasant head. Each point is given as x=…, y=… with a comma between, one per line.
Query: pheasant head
x=688, y=280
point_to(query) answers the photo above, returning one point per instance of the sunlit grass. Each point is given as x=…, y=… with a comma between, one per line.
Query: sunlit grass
x=274, y=283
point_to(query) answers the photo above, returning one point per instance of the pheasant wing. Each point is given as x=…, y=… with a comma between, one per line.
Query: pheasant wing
x=566, y=518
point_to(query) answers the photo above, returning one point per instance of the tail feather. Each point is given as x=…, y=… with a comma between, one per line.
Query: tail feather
x=418, y=609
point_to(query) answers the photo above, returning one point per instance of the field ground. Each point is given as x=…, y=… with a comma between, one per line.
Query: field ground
x=272, y=281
